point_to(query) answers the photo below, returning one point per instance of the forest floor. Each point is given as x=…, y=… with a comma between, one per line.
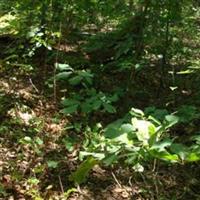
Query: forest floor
x=35, y=165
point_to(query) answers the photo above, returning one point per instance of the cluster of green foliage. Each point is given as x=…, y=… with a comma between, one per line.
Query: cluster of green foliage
x=136, y=139
x=125, y=54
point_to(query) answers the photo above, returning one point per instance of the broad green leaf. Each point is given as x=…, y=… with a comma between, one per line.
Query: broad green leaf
x=187, y=113
x=85, y=74
x=112, y=133
x=63, y=67
x=114, y=148
x=171, y=120
x=196, y=138
x=192, y=157
x=112, y=130
x=86, y=107
x=124, y=139
x=79, y=176
x=152, y=129
x=110, y=159
x=63, y=75
x=75, y=80
x=109, y=108
x=164, y=155
x=142, y=132
x=69, y=102
x=157, y=114
x=170, y=157
x=152, y=119
x=127, y=128
x=114, y=98
x=70, y=109
x=97, y=104
x=180, y=150
x=160, y=146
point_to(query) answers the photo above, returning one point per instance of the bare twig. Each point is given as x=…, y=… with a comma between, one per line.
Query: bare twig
x=154, y=165
x=115, y=178
x=61, y=185
x=30, y=80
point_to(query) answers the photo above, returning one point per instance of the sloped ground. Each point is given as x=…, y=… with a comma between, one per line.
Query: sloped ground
x=30, y=131
x=34, y=163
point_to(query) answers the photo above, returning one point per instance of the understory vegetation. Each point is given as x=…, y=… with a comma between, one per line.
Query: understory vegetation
x=100, y=99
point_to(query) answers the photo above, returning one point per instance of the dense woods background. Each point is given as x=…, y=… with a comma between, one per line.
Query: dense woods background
x=99, y=99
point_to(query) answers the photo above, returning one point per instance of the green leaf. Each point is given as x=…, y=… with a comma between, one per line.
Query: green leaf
x=136, y=112
x=52, y=164
x=158, y=114
x=63, y=75
x=33, y=181
x=187, y=113
x=142, y=127
x=110, y=159
x=171, y=120
x=63, y=67
x=69, y=143
x=97, y=104
x=86, y=107
x=69, y=102
x=98, y=156
x=75, y=80
x=26, y=140
x=188, y=71
x=112, y=130
x=70, y=109
x=196, y=138
x=173, y=88
x=152, y=129
x=192, y=157
x=39, y=141
x=180, y=150
x=79, y=176
x=160, y=146
x=127, y=128
x=69, y=191
x=109, y=108
x=112, y=133
x=169, y=157
x=164, y=155
x=85, y=74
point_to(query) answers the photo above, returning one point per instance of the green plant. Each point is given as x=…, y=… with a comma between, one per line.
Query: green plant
x=134, y=140
x=35, y=143
x=89, y=101
x=33, y=190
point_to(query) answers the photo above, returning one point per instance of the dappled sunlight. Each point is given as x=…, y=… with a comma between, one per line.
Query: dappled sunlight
x=99, y=100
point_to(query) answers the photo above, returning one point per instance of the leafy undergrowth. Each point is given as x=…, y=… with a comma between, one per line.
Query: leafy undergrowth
x=38, y=158
x=99, y=100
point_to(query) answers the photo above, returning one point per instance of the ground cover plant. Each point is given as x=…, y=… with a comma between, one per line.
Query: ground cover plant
x=99, y=99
